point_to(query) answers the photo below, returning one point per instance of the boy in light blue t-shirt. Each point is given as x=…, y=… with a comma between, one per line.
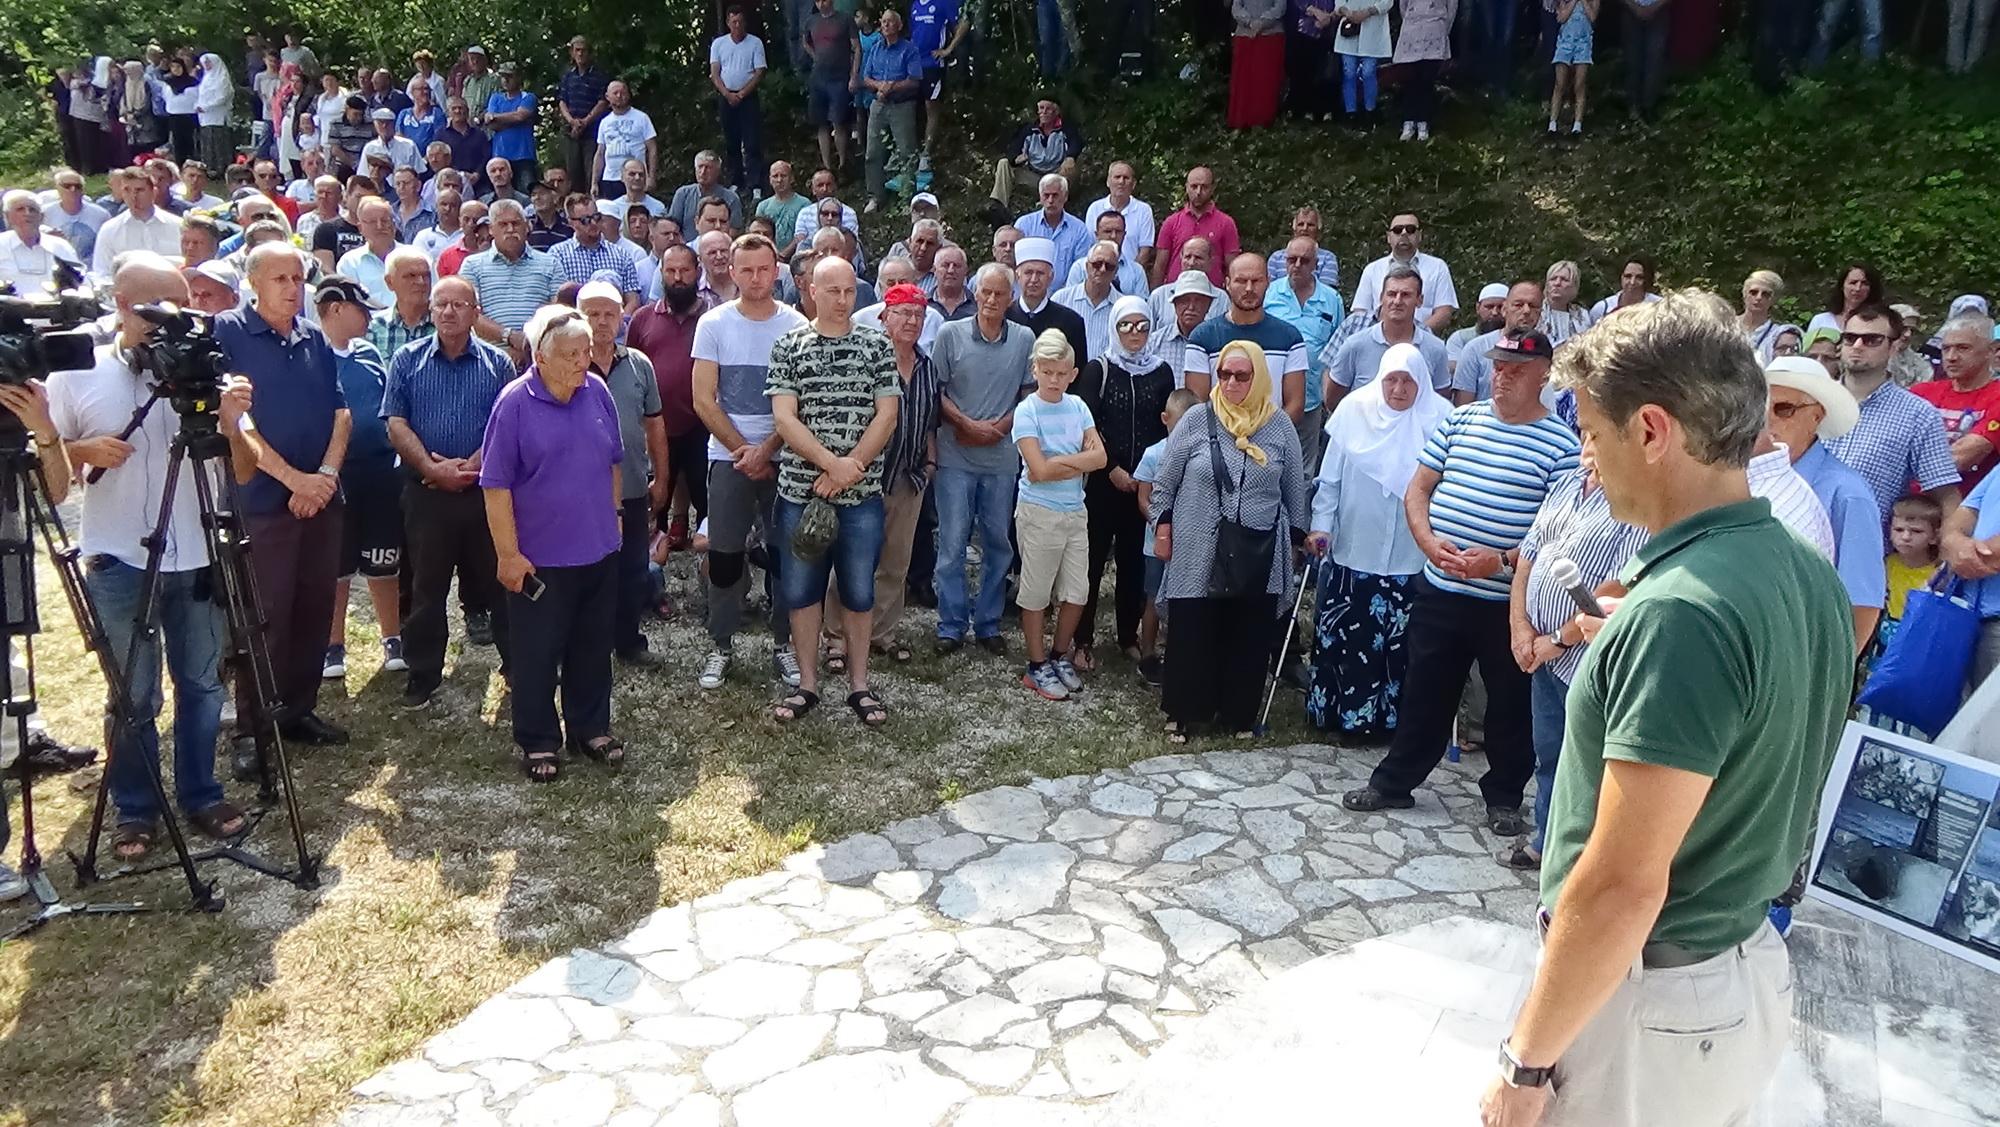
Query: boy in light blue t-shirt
x=1059, y=445
x=1145, y=473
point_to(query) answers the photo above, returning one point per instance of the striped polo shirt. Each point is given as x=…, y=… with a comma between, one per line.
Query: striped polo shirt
x=1494, y=477
x=446, y=402
x=510, y=290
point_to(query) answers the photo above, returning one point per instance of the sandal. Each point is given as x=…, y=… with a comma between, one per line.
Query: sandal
x=131, y=841
x=1519, y=856
x=897, y=652
x=1082, y=658
x=868, y=707
x=608, y=750
x=836, y=662
x=216, y=821
x=541, y=766
x=795, y=705
x=1176, y=734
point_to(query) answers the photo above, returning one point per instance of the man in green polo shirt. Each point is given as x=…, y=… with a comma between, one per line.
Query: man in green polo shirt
x=1701, y=729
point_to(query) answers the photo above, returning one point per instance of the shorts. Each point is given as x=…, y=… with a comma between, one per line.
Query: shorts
x=1055, y=556
x=829, y=102
x=1156, y=570
x=856, y=549
x=371, y=539
x=933, y=83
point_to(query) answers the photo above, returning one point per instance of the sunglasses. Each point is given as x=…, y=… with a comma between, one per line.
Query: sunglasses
x=1870, y=340
x=1403, y=229
x=1103, y=265
x=1227, y=376
x=1134, y=326
x=1787, y=410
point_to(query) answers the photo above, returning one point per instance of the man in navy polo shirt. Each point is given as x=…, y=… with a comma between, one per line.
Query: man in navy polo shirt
x=291, y=501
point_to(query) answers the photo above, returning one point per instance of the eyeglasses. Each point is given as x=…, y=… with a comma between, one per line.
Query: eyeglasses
x=1787, y=410
x=1228, y=376
x=1870, y=340
x=444, y=305
x=1403, y=229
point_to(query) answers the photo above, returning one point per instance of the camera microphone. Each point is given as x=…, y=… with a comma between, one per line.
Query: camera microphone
x=1563, y=573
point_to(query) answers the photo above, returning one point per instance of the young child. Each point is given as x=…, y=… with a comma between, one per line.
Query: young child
x=1059, y=445
x=1914, y=527
x=1144, y=473
x=1574, y=35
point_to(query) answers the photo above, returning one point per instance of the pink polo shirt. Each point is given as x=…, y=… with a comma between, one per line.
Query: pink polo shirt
x=1216, y=226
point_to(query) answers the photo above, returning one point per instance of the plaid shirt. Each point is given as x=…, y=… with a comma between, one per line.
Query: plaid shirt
x=1899, y=439
x=388, y=333
x=577, y=263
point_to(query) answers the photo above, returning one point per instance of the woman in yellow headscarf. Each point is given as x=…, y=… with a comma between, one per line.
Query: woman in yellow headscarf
x=1232, y=474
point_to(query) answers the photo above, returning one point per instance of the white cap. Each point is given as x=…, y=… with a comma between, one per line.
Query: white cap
x=1191, y=283
x=1035, y=250
x=1494, y=291
x=923, y=198
x=593, y=290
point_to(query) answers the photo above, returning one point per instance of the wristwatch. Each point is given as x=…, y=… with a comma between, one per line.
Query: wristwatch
x=1518, y=1075
x=1556, y=639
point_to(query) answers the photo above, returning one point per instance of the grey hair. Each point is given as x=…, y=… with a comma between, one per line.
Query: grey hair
x=551, y=322
x=1055, y=178
x=495, y=209
x=404, y=252
x=17, y=196
x=830, y=240
x=707, y=156
x=998, y=270
x=1971, y=321
x=900, y=261
x=333, y=180
x=927, y=227
x=434, y=145
x=1563, y=267
x=1685, y=355
x=1397, y=274
x=1769, y=279
x=1116, y=251
x=1053, y=346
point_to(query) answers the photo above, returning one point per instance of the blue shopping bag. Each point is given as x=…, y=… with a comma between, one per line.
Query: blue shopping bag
x=1921, y=678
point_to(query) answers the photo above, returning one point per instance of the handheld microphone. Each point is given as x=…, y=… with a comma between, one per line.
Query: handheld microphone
x=1563, y=573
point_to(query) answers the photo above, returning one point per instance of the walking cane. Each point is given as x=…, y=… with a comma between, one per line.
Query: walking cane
x=1306, y=581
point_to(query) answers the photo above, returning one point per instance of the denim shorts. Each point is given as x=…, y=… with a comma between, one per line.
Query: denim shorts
x=1156, y=569
x=856, y=549
x=829, y=102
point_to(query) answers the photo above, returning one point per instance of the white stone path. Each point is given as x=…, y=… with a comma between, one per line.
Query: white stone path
x=1008, y=962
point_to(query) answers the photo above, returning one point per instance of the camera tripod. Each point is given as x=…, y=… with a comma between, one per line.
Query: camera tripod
x=24, y=505
x=200, y=448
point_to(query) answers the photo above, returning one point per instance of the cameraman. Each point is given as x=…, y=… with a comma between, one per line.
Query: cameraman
x=88, y=409
x=292, y=509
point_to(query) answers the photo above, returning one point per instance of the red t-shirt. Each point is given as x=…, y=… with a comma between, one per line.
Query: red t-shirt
x=1216, y=226
x=1967, y=412
x=452, y=259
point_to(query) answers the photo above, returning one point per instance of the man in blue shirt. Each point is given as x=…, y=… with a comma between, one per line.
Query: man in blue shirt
x=439, y=393
x=510, y=114
x=1311, y=305
x=1972, y=550
x=291, y=503
x=894, y=72
x=937, y=30
x=1054, y=223
x=580, y=98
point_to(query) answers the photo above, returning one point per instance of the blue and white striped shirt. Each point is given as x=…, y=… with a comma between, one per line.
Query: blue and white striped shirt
x=446, y=402
x=1574, y=523
x=1494, y=477
x=577, y=263
x=510, y=290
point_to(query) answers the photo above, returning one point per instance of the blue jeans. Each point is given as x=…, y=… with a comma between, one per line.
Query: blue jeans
x=1353, y=68
x=192, y=627
x=962, y=497
x=1491, y=25
x=1830, y=13
x=856, y=549
x=1547, y=709
x=1051, y=45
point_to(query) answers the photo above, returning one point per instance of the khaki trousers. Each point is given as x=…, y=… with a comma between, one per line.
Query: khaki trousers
x=900, y=507
x=1008, y=176
x=1689, y=1046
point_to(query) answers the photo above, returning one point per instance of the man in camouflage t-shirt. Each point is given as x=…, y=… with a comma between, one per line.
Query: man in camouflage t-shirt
x=834, y=392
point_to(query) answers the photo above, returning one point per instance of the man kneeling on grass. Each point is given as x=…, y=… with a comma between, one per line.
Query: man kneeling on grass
x=1059, y=446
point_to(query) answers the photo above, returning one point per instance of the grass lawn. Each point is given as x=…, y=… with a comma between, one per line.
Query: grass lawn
x=448, y=875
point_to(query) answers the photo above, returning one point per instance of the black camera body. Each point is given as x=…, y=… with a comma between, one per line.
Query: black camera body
x=41, y=335
x=183, y=359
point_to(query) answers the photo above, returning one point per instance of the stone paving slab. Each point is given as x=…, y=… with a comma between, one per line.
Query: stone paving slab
x=1011, y=960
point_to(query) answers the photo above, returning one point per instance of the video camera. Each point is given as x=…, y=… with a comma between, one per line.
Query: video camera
x=183, y=358
x=39, y=334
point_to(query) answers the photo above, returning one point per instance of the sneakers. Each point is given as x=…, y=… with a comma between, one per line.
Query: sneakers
x=13, y=885
x=785, y=661
x=714, y=670
x=1368, y=799
x=1041, y=677
x=1067, y=674
x=392, y=656
x=479, y=628
x=1423, y=131
x=1409, y=131
x=335, y=666
x=418, y=692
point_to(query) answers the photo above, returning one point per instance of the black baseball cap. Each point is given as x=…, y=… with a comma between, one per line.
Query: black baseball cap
x=340, y=287
x=1529, y=345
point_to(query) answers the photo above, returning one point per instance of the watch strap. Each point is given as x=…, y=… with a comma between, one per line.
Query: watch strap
x=1519, y=1075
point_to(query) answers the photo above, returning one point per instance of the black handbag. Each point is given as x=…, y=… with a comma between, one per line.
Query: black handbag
x=1349, y=29
x=1242, y=562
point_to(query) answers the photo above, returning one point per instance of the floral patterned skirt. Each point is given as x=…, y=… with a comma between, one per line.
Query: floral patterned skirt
x=1358, y=654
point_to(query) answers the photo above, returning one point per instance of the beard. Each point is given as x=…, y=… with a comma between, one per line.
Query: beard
x=680, y=299
x=1486, y=326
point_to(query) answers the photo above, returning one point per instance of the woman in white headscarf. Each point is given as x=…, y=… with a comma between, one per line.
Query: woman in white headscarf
x=1126, y=390
x=143, y=129
x=1372, y=447
x=212, y=100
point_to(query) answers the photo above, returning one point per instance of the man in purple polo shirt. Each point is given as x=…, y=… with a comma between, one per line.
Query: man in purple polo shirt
x=553, y=501
x=291, y=500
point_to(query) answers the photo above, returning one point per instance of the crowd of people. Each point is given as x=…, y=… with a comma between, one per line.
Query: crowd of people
x=453, y=363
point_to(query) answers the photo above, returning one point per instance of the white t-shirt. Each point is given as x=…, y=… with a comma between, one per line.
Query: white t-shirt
x=434, y=241
x=740, y=348
x=624, y=137
x=1436, y=277
x=300, y=190
x=32, y=267
x=1140, y=230
x=737, y=60
x=119, y=509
